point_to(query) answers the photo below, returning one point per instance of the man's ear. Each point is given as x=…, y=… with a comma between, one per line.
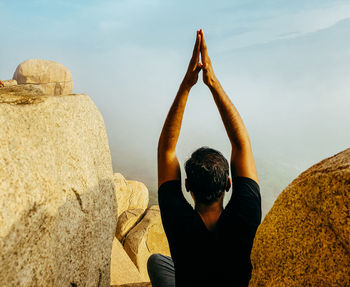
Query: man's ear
x=228, y=185
x=187, y=185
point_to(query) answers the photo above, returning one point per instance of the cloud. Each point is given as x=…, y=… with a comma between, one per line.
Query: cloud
x=289, y=23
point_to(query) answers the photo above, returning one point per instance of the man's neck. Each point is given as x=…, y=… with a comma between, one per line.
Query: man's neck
x=216, y=207
x=210, y=213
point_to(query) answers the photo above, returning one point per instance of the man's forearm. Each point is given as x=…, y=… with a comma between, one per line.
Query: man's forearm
x=233, y=122
x=172, y=126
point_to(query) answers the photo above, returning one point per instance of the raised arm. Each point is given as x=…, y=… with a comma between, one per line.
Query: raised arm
x=168, y=164
x=242, y=160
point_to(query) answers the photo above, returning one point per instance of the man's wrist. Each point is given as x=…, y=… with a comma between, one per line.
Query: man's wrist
x=185, y=86
x=213, y=84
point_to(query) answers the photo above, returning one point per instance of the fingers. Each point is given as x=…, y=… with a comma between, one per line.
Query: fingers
x=203, y=49
x=196, y=50
x=199, y=67
x=205, y=67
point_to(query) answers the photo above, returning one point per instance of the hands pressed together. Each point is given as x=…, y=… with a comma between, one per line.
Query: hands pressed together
x=195, y=66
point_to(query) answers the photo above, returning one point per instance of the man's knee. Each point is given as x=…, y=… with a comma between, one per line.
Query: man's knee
x=161, y=270
x=153, y=260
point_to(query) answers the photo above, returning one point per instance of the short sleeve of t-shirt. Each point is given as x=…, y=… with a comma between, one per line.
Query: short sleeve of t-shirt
x=245, y=202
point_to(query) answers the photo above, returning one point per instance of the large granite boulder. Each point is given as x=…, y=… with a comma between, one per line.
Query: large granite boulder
x=146, y=238
x=130, y=194
x=58, y=208
x=55, y=78
x=123, y=270
x=305, y=238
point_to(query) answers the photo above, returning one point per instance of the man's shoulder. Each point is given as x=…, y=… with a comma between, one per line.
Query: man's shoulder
x=245, y=202
x=170, y=184
x=245, y=186
x=171, y=199
x=169, y=190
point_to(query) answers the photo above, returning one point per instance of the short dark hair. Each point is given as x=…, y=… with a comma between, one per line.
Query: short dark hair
x=207, y=173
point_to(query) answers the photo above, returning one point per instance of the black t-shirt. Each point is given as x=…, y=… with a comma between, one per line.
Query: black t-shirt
x=220, y=257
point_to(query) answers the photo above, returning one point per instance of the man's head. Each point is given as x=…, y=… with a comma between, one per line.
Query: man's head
x=208, y=174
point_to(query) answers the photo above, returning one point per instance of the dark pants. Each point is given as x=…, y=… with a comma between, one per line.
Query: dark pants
x=161, y=270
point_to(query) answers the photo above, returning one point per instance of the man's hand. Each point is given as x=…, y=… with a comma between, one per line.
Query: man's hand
x=194, y=66
x=209, y=77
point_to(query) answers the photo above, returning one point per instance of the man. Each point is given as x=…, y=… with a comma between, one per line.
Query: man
x=210, y=245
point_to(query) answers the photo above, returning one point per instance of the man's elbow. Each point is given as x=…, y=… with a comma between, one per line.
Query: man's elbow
x=166, y=153
x=165, y=147
x=241, y=144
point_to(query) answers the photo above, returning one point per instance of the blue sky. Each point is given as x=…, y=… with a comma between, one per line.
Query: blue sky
x=285, y=65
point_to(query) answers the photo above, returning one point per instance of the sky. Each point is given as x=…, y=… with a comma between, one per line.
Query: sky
x=284, y=64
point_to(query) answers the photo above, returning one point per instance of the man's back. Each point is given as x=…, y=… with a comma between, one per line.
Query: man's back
x=211, y=258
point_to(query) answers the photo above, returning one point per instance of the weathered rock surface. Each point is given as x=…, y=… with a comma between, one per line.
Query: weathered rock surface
x=146, y=238
x=53, y=77
x=130, y=194
x=305, y=238
x=22, y=94
x=9, y=83
x=126, y=221
x=123, y=270
x=58, y=207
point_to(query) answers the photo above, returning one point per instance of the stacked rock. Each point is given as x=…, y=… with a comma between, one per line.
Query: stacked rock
x=54, y=78
x=139, y=229
x=57, y=195
x=58, y=214
x=146, y=238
